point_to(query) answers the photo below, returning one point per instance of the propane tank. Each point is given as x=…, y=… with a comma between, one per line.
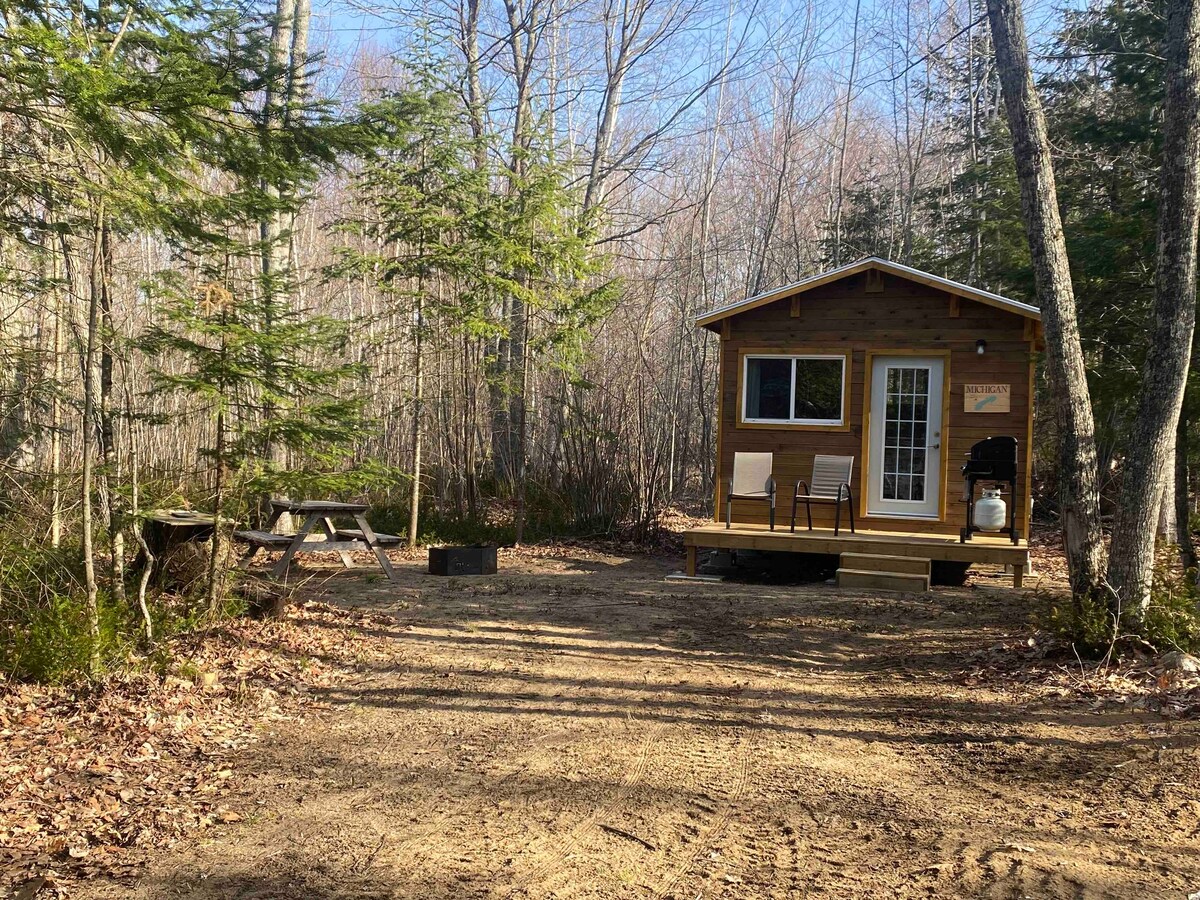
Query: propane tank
x=991, y=514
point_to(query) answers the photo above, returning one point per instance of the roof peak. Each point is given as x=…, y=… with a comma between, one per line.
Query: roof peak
x=868, y=262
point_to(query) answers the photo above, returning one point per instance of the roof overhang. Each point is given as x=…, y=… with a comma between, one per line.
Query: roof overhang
x=713, y=318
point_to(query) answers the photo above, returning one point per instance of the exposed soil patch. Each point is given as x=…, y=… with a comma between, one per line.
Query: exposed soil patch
x=578, y=727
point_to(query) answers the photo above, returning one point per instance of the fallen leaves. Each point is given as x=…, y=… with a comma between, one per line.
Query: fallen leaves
x=93, y=777
x=1041, y=664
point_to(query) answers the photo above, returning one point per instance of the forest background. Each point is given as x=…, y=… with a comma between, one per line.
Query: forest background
x=446, y=257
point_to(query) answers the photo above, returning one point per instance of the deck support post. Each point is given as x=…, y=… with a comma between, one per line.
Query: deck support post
x=691, y=562
x=1018, y=576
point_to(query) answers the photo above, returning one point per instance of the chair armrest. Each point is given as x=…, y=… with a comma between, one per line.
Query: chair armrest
x=796, y=492
x=848, y=492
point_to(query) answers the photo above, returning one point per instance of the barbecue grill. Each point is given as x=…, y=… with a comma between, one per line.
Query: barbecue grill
x=994, y=460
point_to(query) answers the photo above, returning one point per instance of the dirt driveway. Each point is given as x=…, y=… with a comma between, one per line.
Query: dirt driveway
x=578, y=727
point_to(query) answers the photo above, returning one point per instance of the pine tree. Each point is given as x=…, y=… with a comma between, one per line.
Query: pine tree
x=212, y=347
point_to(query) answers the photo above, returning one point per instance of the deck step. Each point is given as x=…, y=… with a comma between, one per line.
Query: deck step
x=881, y=562
x=872, y=580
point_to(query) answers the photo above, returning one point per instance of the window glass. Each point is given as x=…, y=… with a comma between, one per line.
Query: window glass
x=768, y=387
x=794, y=389
x=819, y=389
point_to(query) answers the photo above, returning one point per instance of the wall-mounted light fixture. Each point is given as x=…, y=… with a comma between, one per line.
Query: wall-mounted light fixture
x=980, y=346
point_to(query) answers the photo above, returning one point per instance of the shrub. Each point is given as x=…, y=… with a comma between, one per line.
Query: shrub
x=1084, y=621
x=44, y=634
x=1171, y=622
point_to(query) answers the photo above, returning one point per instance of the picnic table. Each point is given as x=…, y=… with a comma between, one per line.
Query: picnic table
x=318, y=513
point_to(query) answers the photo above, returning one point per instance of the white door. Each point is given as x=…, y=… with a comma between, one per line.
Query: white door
x=905, y=461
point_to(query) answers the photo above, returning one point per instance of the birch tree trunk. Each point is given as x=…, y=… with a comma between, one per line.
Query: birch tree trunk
x=285, y=88
x=1164, y=375
x=1079, y=494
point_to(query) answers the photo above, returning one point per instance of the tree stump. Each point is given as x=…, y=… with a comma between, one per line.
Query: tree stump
x=166, y=532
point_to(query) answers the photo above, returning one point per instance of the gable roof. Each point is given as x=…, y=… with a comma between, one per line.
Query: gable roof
x=711, y=318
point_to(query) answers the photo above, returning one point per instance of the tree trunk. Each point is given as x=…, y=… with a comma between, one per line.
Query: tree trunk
x=56, y=404
x=285, y=85
x=414, y=512
x=1183, y=496
x=839, y=187
x=111, y=472
x=91, y=384
x=1166, y=503
x=1164, y=376
x=1079, y=493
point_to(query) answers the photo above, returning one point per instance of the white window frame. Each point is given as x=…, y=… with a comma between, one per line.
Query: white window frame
x=838, y=422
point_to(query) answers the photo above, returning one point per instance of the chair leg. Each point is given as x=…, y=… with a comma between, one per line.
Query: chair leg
x=808, y=512
x=728, y=512
x=793, y=528
x=772, y=514
x=850, y=506
x=837, y=515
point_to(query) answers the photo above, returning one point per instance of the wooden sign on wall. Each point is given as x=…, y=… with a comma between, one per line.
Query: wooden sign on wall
x=986, y=398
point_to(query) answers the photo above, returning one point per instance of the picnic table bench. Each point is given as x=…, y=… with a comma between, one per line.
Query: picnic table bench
x=339, y=540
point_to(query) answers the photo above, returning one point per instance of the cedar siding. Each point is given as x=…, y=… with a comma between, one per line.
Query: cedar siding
x=897, y=315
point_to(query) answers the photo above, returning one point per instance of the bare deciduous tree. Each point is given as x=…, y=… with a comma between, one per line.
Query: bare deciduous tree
x=1079, y=494
x=1131, y=562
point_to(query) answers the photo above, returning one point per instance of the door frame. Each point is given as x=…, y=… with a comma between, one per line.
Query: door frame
x=864, y=484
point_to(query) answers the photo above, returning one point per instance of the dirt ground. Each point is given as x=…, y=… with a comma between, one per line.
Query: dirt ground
x=579, y=727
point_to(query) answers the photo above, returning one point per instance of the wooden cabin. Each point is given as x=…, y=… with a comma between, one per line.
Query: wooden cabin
x=903, y=370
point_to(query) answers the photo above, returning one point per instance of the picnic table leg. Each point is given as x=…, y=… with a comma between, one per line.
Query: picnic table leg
x=281, y=567
x=331, y=533
x=373, y=543
x=252, y=550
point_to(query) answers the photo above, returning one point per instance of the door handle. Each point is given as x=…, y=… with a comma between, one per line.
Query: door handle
x=934, y=447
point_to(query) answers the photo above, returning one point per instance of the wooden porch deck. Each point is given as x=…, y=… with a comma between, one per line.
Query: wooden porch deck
x=980, y=549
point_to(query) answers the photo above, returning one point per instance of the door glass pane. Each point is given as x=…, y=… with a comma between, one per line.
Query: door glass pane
x=768, y=388
x=906, y=420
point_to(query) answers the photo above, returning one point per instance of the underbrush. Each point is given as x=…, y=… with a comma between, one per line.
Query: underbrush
x=548, y=516
x=45, y=634
x=1172, y=621
x=44, y=630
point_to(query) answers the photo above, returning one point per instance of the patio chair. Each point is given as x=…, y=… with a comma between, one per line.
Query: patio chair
x=751, y=481
x=830, y=484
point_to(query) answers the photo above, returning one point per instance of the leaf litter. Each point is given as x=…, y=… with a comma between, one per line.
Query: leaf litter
x=95, y=777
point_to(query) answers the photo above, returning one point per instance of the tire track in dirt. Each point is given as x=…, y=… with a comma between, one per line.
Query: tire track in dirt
x=714, y=816
x=550, y=863
x=1007, y=871
x=468, y=806
x=771, y=853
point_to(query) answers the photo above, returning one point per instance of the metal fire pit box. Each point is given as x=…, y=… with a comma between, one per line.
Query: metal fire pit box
x=479, y=559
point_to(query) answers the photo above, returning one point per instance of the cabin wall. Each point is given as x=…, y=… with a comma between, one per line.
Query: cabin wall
x=904, y=316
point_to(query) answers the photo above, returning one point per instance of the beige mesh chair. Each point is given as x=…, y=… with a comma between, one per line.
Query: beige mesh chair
x=830, y=484
x=751, y=481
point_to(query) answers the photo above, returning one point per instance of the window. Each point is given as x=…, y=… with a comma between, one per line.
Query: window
x=794, y=390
